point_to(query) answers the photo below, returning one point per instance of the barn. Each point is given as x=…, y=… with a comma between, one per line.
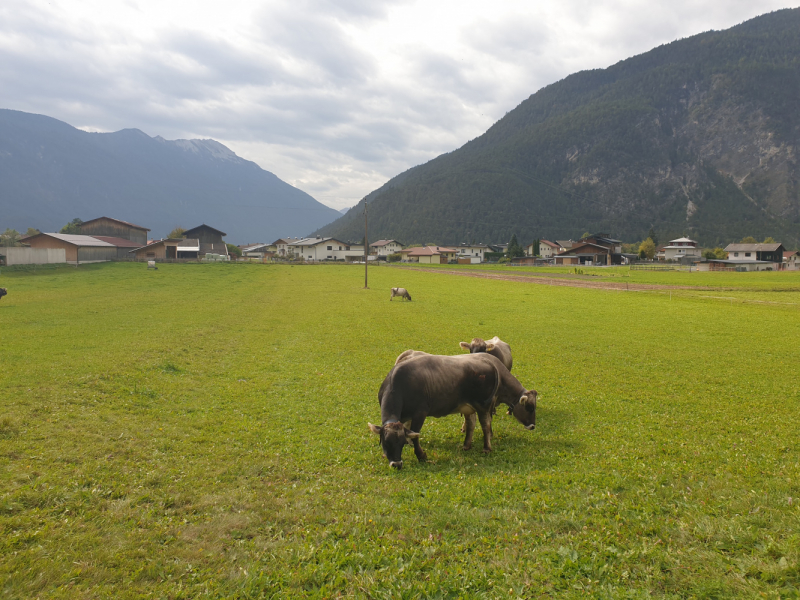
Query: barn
x=78, y=248
x=115, y=228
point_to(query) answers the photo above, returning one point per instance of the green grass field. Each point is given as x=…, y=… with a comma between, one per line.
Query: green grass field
x=200, y=431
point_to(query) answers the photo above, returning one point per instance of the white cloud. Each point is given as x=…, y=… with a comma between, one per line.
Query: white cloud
x=333, y=96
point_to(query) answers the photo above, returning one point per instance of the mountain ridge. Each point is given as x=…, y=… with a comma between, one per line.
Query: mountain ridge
x=51, y=172
x=696, y=137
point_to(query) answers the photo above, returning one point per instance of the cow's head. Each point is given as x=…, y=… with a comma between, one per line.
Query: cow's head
x=477, y=345
x=393, y=437
x=3, y=292
x=525, y=410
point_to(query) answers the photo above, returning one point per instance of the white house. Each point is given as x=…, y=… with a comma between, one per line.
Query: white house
x=320, y=248
x=547, y=249
x=385, y=247
x=790, y=261
x=430, y=254
x=282, y=245
x=756, y=252
x=475, y=252
x=680, y=248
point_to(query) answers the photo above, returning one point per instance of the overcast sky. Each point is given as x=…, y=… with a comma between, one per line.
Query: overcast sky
x=334, y=97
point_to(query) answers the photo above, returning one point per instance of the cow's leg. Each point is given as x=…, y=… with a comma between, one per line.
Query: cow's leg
x=416, y=425
x=469, y=428
x=486, y=425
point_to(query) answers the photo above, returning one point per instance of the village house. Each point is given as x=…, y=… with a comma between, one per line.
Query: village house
x=325, y=248
x=681, y=248
x=384, y=248
x=598, y=249
x=261, y=251
x=790, y=260
x=282, y=245
x=547, y=249
x=430, y=254
x=564, y=245
x=472, y=253
x=750, y=257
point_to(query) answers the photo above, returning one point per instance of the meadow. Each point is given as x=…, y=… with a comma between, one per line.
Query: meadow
x=201, y=431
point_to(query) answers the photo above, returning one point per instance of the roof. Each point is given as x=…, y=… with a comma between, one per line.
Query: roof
x=222, y=233
x=580, y=246
x=549, y=243
x=285, y=240
x=315, y=241
x=384, y=242
x=118, y=221
x=789, y=253
x=671, y=247
x=465, y=245
x=118, y=242
x=253, y=247
x=683, y=239
x=430, y=250
x=753, y=247
x=740, y=261
x=77, y=240
x=565, y=243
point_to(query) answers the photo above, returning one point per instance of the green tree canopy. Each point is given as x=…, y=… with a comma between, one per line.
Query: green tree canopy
x=514, y=249
x=749, y=240
x=769, y=240
x=73, y=227
x=10, y=237
x=652, y=236
x=232, y=249
x=176, y=233
x=32, y=231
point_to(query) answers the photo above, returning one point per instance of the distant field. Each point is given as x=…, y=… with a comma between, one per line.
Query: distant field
x=200, y=430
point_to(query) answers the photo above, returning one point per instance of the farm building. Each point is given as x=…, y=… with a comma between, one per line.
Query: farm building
x=598, y=249
x=168, y=249
x=210, y=239
x=258, y=250
x=123, y=246
x=282, y=245
x=385, y=247
x=547, y=249
x=31, y=256
x=77, y=248
x=108, y=227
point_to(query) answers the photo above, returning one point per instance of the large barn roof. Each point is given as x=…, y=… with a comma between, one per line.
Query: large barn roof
x=118, y=221
x=78, y=240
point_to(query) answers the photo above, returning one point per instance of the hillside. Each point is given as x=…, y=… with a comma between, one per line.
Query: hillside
x=51, y=172
x=696, y=137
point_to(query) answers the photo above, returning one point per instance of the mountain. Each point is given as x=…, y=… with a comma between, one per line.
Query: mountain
x=697, y=137
x=51, y=173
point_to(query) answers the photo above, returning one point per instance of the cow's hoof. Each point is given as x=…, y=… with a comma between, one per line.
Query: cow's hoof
x=487, y=450
x=466, y=447
x=422, y=458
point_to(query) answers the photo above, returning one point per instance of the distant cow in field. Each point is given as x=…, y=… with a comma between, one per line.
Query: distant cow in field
x=402, y=292
x=3, y=292
x=422, y=385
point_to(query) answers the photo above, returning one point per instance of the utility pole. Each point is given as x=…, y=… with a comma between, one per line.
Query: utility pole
x=366, y=246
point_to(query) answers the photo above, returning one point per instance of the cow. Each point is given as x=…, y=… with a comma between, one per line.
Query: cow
x=402, y=292
x=427, y=385
x=497, y=348
x=3, y=292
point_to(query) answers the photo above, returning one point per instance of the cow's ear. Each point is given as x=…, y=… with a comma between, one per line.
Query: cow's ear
x=411, y=435
x=374, y=429
x=464, y=345
x=489, y=347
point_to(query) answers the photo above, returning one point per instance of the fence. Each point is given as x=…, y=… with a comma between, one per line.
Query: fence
x=674, y=267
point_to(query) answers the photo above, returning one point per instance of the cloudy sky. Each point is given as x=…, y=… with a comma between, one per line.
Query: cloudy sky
x=334, y=97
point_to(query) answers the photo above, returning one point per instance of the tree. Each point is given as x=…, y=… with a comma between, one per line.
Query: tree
x=647, y=249
x=717, y=253
x=32, y=231
x=232, y=249
x=514, y=249
x=586, y=235
x=749, y=240
x=652, y=236
x=769, y=240
x=10, y=237
x=73, y=226
x=536, y=248
x=177, y=233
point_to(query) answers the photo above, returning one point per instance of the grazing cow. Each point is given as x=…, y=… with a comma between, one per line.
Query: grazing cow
x=427, y=385
x=3, y=292
x=402, y=292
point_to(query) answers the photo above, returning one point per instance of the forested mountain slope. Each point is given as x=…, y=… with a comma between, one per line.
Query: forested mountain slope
x=696, y=137
x=51, y=172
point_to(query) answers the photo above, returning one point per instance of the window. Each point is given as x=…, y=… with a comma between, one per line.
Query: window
x=736, y=254
x=747, y=254
x=330, y=247
x=340, y=247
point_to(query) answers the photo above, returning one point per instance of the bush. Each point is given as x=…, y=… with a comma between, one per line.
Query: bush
x=504, y=260
x=394, y=257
